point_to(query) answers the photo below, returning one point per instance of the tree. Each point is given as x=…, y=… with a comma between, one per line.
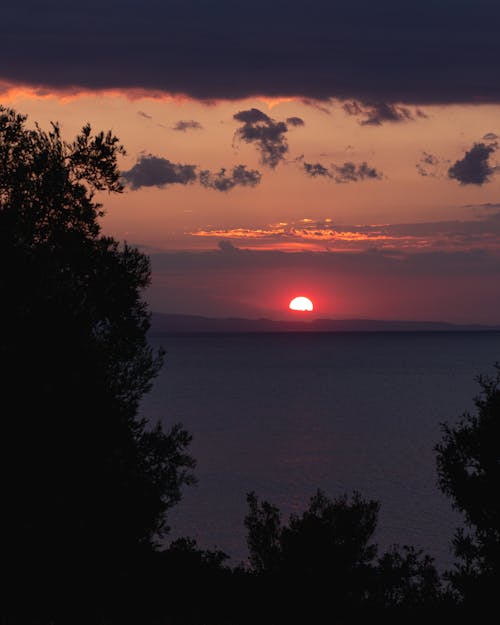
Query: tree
x=86, y=484
x=325, y=560
x=468, y=463
x=407, y=580
x=322, y=560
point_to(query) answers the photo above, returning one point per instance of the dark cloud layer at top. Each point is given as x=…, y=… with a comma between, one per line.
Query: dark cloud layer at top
x=436, y=52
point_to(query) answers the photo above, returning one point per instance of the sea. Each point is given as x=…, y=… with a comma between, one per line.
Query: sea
x=286, y=414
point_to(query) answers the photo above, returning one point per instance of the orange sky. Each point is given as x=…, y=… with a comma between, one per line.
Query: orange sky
x=401, y=213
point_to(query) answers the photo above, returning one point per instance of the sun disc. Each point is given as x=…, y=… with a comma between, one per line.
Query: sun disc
x=301, y=303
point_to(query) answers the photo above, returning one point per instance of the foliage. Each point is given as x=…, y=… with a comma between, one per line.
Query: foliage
x=263, y=524
x=407, y=578
x=330, y=535
x=468, y=462
x=86, y=484
x=327, y=556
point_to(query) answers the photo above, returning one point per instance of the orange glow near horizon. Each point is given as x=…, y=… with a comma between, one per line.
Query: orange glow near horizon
x=301, y=303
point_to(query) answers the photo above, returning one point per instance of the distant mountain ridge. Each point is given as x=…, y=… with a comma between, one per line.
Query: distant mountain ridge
x=180, y=324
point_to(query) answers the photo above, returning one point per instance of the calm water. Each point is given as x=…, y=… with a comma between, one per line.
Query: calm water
x=285, y=414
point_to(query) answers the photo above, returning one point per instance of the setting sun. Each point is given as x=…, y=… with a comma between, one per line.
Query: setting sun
x=301, y=303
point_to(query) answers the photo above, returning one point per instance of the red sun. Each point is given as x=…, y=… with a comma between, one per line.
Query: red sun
x=301, y=303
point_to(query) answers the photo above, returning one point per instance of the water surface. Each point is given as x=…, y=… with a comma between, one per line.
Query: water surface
x=285, y=414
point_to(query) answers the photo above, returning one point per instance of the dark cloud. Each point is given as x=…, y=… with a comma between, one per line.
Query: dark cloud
x=420, y=113
x=153, y=171
x=317, y=105
x=480, y=231
x=143, y=114
x=348, y=172
x=474, y=167
x=252, y=116
x=187, y=124
x=227, y=247
x=488, y=207
x=427, y=165
x=367, y=261
x=487, y=212
x=366, y=51
x=428, y=159
x=239, y=176
x=490, y=136
x=295, y=121
x=316, y=169
x=266, y=133
x=377, y=114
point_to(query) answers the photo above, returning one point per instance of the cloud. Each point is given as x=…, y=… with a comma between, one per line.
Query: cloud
x=427, y=165
x=318, y=104
x=295, y=121
x=367, y=261
x=377, y=114
x=482, y=232
x=364, y=51
x=252, y=116
x=187, y=124
x=316, y=169
x=266, y=133
x=220, y=181
x=227, y=247
x=474, y=167
x=486, y=207
x=348, y=172
x=490, y=136
x=154, y=171
x=143, y=114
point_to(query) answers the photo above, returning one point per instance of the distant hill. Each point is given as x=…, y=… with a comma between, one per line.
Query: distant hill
x=176, y=324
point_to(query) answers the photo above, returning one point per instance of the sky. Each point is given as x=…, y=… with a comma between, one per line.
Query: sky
x=345, y=152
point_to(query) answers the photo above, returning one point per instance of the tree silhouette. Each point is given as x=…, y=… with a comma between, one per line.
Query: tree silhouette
x=325, y=561
x=468, y=462
x=86, y=484
x=332, y=536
